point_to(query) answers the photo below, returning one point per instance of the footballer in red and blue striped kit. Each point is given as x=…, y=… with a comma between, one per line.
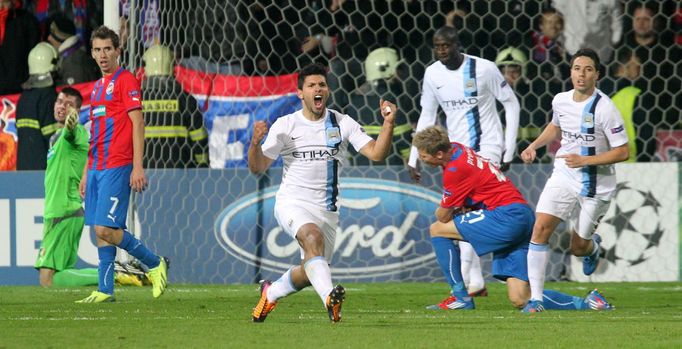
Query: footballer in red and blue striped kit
x=115, y=167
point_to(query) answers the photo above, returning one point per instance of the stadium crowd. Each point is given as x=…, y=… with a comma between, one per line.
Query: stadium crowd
x=530, y=41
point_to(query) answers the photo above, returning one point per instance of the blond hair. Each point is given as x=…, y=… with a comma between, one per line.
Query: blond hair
x=432, y=140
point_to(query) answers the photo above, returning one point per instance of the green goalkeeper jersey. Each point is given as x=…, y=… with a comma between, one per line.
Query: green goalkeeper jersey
x=65, y=162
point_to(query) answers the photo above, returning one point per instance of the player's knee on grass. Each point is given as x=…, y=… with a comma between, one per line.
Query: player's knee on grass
x=518, y=292
x=45, y=277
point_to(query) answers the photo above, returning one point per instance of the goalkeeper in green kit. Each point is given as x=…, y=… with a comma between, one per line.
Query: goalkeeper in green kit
x=63, y=219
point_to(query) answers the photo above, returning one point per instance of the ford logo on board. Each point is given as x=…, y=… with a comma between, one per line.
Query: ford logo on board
x=383, y=231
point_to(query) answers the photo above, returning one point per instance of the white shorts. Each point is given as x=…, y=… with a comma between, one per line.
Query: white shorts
x=559, y=200
x=292, y=215
x=493, y=154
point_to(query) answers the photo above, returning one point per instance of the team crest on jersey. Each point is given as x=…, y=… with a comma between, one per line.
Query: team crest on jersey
x=110, y=88
x=588, y=120
x=470, y=85
x=333, y=136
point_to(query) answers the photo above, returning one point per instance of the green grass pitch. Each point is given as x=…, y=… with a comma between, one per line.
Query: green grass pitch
x=377, y=315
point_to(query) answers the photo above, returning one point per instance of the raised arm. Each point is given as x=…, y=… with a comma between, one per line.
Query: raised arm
x=378, y=150
x=258, y=162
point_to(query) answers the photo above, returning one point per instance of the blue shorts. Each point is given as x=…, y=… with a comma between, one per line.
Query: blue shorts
x=106, y=197
x=504, y=231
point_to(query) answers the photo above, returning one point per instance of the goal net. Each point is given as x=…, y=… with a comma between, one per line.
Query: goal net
x=238, y=60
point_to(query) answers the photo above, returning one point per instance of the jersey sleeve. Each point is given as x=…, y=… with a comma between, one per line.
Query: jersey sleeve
x=356, y=134
x=130, y=93
x=457, y=184
x=555, y=114
x=428, y=99
x=497, y=84
x=273, y=144
x=614, y=127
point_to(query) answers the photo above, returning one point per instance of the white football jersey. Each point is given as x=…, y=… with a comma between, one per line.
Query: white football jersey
x=588, y=128
x=313, y=152
x=467, y=96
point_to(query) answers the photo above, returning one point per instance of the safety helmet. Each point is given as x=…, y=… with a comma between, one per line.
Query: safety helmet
x=42, y=59
x=511, y=56
x=381, y=64
x=158, y=60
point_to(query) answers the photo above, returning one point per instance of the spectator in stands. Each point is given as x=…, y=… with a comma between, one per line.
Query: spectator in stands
x=75, y=65
x=18, y=35
x=174, y=127
x=35, y=120
x=648, y=42
x=595, y=24
x=216, y=38
x=383, y=82
x=547, y=52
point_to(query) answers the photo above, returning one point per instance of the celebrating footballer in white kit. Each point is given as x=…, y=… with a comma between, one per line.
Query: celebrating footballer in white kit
x=466, y=88
x=313, y=142
x=593, y=139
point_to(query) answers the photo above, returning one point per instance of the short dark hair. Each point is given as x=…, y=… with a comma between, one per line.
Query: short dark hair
x=589, y=53
x=311, y=69
x=447, y=33
x=103, y=33
x=70, y=91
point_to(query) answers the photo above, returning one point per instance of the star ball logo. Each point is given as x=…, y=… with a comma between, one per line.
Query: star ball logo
x=383, y=231
x=635, y=222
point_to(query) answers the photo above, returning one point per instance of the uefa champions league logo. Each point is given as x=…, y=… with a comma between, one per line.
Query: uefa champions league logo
x=383, y=230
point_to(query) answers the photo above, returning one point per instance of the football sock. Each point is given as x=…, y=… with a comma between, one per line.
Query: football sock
x=107, y=254
x=320, y=276
x=281, y=288
x=471, y=273
x=560, y=301
x=76, y=277
x=447, y=255
x=138, y=250
x=538, y=255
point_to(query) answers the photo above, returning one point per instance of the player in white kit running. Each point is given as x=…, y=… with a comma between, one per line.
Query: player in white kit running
x=593, y=139
x=466, y=88
x=313, y=142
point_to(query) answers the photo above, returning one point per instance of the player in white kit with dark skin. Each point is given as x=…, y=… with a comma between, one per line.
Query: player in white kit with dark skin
x=466, y=87
x=313, y=143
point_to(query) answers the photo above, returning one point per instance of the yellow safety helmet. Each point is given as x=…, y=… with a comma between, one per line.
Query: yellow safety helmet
x=381, y=64
x=42, y=59
x=158, y=60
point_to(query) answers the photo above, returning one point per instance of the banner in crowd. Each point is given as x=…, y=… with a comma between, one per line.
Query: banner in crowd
x=232, y=104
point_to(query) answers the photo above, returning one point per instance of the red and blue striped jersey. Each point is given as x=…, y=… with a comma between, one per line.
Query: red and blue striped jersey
x=111, y=131
x=473, y=182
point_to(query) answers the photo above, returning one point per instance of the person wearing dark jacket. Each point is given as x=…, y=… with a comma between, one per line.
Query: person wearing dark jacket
x=174, y=132
x=34, y=115
x=18, y=34
x=75, y=65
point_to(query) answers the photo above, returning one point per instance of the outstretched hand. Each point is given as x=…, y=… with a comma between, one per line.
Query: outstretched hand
x=71, y=119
